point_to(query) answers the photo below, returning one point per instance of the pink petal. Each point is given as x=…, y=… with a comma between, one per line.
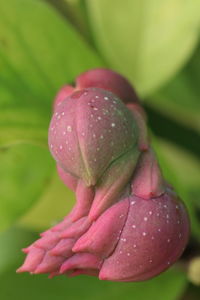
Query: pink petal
x=63, y=93
x=104, y=234
x=81, y=261
x=108, y=80
x=148, y=181
x=153, y=238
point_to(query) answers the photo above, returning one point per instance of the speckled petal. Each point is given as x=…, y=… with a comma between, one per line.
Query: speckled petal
x=89, y=130
x=153, y=238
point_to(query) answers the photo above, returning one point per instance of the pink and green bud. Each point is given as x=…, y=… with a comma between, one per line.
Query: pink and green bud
x=89, y=130
x=135, y=239
x=127, y=223
x=152, y=239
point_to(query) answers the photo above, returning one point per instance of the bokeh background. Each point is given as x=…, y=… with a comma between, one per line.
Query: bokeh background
x=45, y=44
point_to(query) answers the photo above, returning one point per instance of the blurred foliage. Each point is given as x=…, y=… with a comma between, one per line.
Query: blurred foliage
x=167, y=286
x=194, y=270
x=148, y=41
x=25, y=173
x=11, y=242
x=45, y=213
x=179, y=99
x=44, y=44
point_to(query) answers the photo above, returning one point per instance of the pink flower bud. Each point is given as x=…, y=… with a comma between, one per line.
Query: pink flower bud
x=135, y=239
x=152, y=239
x=127, y=223
x=89, y=130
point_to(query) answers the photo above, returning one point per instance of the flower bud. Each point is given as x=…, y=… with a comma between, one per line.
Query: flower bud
x=89, y=130
x=153, y=238
x=127, y=223
x=134, y=240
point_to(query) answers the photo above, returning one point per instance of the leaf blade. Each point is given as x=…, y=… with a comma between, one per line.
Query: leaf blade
x=148, y=41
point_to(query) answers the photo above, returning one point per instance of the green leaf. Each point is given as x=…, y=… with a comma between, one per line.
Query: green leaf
x=173, y=131
x=179, y=99
x=148, y=41
x=55, y=203
x=25, y=173
x=11, y=242
x=192, y=293
x=39, y=52
x=168, y=286
x=74, y=11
